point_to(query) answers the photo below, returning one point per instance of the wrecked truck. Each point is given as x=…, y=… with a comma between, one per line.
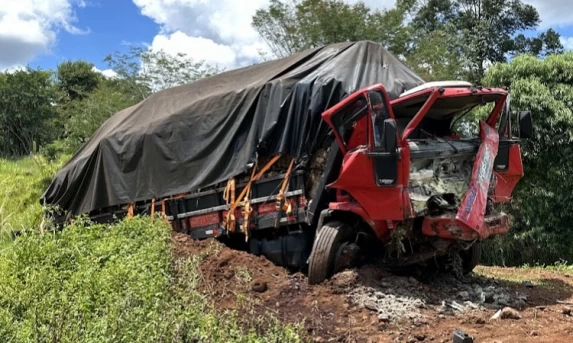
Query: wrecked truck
x=313, y=161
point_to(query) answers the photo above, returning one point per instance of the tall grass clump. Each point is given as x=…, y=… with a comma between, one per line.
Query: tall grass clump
x=22, y=182
x=112, y=283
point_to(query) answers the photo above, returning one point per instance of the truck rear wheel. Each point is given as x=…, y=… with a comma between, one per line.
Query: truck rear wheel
x=471, y=257
x=329, y=240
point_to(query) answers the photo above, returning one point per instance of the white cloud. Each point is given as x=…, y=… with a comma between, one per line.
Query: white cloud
x=201, y=49
x=29, y=28
x=553, y=13
x=567, y=43
x=216, y=31
x=109, y=73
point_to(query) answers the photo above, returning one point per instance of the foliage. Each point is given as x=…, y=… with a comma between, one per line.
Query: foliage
x=77, y=79
x=97, y=283
x=542, y=218
x=483, y=32
x=26, y=110
x=293, y=26
x=22, y=182
x=439, y=39
x=146, y=71
x=80, y=118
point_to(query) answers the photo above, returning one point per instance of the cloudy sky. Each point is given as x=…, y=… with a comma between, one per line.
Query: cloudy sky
x=42, y=33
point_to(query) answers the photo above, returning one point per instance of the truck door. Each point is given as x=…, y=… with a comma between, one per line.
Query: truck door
x=508, y=167
x=384, y=140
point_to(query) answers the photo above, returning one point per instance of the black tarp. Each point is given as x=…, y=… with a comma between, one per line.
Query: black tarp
x=196, y=135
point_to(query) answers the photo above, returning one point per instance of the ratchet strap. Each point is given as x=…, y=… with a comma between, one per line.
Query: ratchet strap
x=229, y=220
x=130, y=210
x=281, y=204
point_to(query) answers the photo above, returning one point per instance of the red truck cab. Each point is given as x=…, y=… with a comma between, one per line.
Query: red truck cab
x=407, y=173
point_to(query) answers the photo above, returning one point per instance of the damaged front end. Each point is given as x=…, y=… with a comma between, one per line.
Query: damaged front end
x=460, y=206
x=452, y=182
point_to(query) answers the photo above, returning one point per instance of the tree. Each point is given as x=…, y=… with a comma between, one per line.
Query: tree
x=77, y=79
x=147, y=71
x=81, y=118
x=484, y=32
x=547, y=43
x=292, y=26
x=27, y=109
x=541, y=207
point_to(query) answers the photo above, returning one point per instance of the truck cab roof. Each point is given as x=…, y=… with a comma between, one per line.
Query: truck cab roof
x=439, y=84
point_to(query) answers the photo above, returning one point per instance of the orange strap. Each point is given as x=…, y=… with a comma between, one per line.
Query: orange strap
x=229, y=220
x=229, y=193
x=130, y=210
x=281, y=204
x=163, y=211
x=152, y=209
x=280, y=197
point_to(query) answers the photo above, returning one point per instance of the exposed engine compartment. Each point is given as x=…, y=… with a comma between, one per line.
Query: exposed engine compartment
x=440, y=168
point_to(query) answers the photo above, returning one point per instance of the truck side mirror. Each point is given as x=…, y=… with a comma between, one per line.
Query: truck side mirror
x=525, y=124
x=390, y=135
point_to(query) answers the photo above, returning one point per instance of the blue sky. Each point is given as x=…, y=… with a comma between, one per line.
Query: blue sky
x=43, y=33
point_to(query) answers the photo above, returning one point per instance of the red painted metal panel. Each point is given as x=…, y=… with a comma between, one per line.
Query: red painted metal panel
x=472, y=209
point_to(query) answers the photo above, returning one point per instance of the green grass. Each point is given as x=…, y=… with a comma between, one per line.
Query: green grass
x=96, y=283
x=22, y=182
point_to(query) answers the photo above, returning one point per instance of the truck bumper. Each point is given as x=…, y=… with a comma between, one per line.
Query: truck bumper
x=448, y=227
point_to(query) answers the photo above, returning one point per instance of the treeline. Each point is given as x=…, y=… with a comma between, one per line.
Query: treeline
x=482, y=41
x=56, y=111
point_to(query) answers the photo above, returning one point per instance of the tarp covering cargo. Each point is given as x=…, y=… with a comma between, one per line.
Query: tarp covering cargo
x=196, y=135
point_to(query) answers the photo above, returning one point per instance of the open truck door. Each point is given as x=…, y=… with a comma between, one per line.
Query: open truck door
x=384, y=141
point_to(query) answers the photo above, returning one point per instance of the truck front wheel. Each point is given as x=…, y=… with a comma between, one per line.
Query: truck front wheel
x=329, y=241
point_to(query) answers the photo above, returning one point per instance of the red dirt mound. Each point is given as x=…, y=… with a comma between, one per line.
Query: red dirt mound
x=371, y=305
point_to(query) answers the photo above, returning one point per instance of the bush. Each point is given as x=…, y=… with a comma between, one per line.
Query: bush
x=98, y=283
x=541, y=231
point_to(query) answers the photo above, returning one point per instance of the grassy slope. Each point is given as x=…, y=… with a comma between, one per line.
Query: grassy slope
x=21, y=185
x=92, y=283
x=95, y=283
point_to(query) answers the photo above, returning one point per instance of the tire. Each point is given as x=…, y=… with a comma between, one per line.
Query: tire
x=471, y=258
x=326, y=245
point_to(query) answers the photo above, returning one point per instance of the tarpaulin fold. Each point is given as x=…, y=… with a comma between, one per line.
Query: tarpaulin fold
x=192, y=136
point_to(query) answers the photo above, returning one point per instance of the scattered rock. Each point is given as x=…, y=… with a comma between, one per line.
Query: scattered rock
x=411, y=339
x=420, y=337
x=480, y=321
x=344, y=279
x=509, y=313
x=413, y=281
x=259, y=286
x=464, y=295
x=496, y=316
x=568, y=312
x=384, y=318
x=534, y=333
x=371, y=305
x=420, y=321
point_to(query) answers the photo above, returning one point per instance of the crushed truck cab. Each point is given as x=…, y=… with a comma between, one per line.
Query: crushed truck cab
x=404, y=168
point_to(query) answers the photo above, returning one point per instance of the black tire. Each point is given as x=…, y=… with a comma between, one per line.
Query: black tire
x=322, y=258
x=471, y=257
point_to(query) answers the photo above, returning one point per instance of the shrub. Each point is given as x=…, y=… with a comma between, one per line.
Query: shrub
x=100, y=283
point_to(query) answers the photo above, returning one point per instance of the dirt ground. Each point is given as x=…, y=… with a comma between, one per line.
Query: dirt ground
x=371, y=305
